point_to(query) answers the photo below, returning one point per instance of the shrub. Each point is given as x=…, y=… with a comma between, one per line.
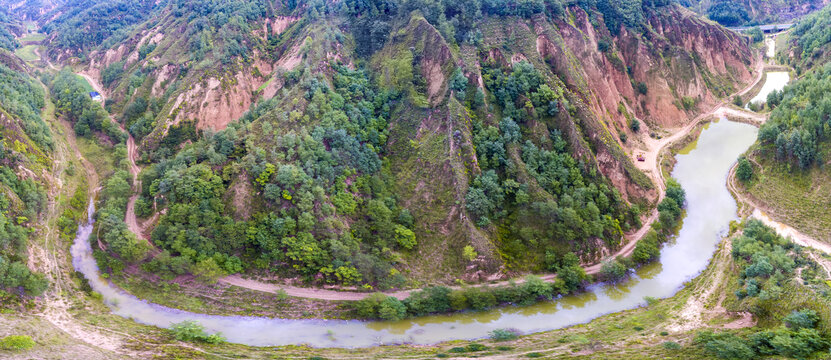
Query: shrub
x=431, y=300
x=671, y=345
x=613, y=271
x=724, y=345
x=380, y=306
x=469, y=253
x=504, y=334
x=193, y=332
x=17, y=343
x=803, y=319
x=688, y=102
x=642, y=89
x=635, y=125
x=744, y=171
x=476, y=347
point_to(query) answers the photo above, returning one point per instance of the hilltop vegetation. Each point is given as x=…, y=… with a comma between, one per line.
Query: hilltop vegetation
x=82, y=25
x=753, y=12
x=809, y=43
x=799, y=125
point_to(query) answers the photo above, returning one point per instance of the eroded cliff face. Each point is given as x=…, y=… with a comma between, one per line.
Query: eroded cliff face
x=210, y=96
x=664, y=76
x=681, y=56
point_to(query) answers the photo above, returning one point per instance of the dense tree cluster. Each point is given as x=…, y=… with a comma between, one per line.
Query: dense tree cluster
x=73, y=101
x=219, y=27
x=728, y=13
x=7, y=40
x=789, y=340
x=372, y=20
x=83, y=25
x=111, y=227
x=801, y=119
x=328, y=213
x=766, y=264
x=440, y=299
x=20, y=203
x=23, y=98
x=619, y=13
x=765, y=261
x=522, y=92
x=813, y=34
x=562, y=202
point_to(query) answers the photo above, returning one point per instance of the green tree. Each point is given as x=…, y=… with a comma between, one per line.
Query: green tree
x=613, y=271
x=744, y=171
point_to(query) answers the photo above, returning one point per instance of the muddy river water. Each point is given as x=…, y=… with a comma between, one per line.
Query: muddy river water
x=701, y=172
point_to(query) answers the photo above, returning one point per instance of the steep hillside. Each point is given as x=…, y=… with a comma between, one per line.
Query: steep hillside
x=31, y=10
x=787, y=172
x=753, y=12
x=305, y=142
x=809, y=43
x=25, y=163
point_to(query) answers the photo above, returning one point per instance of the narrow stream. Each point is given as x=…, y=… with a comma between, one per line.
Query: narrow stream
x=702, y=173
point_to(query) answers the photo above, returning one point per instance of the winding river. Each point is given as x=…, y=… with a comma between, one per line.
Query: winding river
x=701, y=172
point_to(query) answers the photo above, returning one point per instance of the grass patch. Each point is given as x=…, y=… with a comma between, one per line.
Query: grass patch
x=100, y=156
x=796, y=197
x=33, y=37
x=85, y=83
x=27, y=53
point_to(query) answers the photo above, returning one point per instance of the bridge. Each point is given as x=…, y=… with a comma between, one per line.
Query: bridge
x=767, y=29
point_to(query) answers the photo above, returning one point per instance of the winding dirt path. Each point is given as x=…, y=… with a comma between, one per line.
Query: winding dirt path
x=48, y=256
x=132, y=155
x=749, y=208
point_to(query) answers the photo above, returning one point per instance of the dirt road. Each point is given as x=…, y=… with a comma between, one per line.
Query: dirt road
x=748, y=207
x=49, y=256
x=130, y=215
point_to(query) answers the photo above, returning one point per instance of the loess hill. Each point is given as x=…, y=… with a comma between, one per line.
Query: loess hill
x=385, y=143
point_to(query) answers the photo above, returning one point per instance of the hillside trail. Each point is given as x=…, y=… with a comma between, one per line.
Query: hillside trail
x=49, y=256
x=749, y=208
x=130, y=214
x=655, y=147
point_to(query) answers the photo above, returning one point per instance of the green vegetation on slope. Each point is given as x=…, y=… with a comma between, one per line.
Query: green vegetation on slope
x=23, y=140
x=811, y=39
x=752, y=12
x=792, y=328
x=22, y=97
x=83, y=25
x=72, y=99
x=325, y=209
x=800, y=124
x=571, y=277
x=7, y=40
x=315, y=182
